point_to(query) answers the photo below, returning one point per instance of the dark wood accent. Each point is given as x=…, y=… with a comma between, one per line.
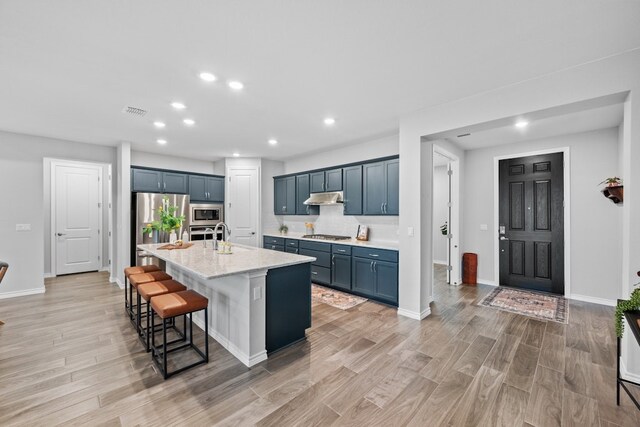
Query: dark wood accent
x=531, y=197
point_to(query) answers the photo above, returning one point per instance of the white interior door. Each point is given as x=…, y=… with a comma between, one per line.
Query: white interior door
x=242, y=207
x=77, y=196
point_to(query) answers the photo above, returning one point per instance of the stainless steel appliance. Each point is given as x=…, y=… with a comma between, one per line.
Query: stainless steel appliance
x=205, y=214
x=325, y=237
x=144, y=207
x=325, y=199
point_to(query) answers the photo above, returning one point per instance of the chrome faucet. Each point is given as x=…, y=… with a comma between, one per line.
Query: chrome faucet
x=225, y=231
x=213, y=236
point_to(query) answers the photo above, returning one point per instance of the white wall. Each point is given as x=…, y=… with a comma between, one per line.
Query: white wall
x=440, y=213
x=154, y=160
x=382, y=147
x=596, y=227
x=22, y=175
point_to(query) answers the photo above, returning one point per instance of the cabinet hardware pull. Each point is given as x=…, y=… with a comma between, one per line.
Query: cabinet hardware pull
x=371, y=266
x=158, y=185
x=315, y=273
x=374, y=255
x=375, y=267
x=333, y=259
x=382, y=207
x=164, y=185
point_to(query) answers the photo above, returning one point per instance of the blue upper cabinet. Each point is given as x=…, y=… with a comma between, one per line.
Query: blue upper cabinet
x=302, y=194
x=146, y=181
x=333, y=180
x=317, y=182
x=215, y=188
x=174, y=183
x=380, y=188
x=206, y=188
x=352, y=187
x=284, y=196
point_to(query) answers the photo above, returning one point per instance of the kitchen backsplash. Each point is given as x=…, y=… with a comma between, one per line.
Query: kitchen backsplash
x=332, y=221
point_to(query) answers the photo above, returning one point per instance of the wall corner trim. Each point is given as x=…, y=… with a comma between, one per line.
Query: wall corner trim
x=15, y=294
x=593, y=300
x=487, y=282
x=626, y=374
x=414, y=314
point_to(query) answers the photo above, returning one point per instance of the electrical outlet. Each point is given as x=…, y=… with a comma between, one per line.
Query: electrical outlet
x=410, y=231
x=23, y=227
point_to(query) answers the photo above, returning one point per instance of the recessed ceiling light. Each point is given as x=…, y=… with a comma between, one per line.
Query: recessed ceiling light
x=235, y=85
x=236, y=154
x=522, y=124
x=189, y=122
x=178, y=105
x=273, y=141
x=329, y=121
x=208, y=77
x=159, y=124
x=161, y=141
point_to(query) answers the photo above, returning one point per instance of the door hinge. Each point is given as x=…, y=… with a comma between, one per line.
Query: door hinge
x=109, y=262
x=449, y=236
x=109, y=234
x=229, y=179
x=450, y=172
x=98, y=231
x=99, y=205
x=109, y=177
x=98, y=178
x=449, y=268
x=98, y=257
x=449, y=204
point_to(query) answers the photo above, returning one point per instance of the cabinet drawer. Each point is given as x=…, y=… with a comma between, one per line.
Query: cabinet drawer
x=376, y=254
x=291, y=243
x=341, y=249
x=323, y=259
x=291, y=250
x=320, y=274
x=274, y=247
x=268, y=240
x=315, y=246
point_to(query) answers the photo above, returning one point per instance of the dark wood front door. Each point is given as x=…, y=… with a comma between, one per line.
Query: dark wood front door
x=532, y=223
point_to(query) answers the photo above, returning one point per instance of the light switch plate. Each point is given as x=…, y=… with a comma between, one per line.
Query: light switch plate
x=484, y=227
x=410, y=231
x=23, y=227
x=257, y=293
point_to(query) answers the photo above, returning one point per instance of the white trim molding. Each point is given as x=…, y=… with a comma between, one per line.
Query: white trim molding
x=414, y=314
x=117, y=282
x=487, y=282
x=49, y=275
x=15, y=294
x=626, y=374
x=593, y=300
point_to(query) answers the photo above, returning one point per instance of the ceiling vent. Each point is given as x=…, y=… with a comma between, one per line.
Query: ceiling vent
x=135, y=111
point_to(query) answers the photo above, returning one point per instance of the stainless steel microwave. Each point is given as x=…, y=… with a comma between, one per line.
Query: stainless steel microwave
x=206, y=214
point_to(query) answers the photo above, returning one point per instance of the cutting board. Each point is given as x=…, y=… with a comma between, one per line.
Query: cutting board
x=169, y=246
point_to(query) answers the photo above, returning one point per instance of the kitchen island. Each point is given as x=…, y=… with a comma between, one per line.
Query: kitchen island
x=259, y=300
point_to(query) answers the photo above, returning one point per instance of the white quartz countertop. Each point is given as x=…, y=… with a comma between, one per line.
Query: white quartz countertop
x=208, y=264
x=382, y=244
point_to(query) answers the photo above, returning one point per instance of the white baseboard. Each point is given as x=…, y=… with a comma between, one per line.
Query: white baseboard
x=104, y=269
x=439, y=262
x=626, y=374
x=117, y=282
x=487, y=282
x=414, y=314
x=232, y=348
x=594, y=300
x=49, y=275
x=15, y=294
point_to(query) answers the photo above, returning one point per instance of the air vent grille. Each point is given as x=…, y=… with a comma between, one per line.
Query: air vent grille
x=135, y=111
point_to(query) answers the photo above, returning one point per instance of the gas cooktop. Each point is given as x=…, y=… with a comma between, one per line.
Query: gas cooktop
x=325, y=237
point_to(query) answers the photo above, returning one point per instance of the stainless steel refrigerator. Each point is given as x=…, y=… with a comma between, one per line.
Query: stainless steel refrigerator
x=144, y=209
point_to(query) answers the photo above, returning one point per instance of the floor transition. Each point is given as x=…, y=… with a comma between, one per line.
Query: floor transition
x=70, y=357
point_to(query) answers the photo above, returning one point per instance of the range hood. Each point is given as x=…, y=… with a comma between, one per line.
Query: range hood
x=322, y=199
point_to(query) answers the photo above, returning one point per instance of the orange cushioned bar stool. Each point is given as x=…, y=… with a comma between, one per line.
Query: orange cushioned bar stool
x=128, y=291
x=136, y=280
x=149, y=290
x=170, y=306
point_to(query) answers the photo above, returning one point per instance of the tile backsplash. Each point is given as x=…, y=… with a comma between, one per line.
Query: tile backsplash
x=332, y=221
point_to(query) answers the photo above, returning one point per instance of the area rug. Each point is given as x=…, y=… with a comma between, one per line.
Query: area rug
x=334, y=298
x=533, y=304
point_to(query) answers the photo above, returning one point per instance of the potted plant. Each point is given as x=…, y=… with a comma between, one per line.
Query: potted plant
x=614, y=181
x=444, y=229
x=168, y=223
x=613, y=189
x=283, y=229
x=631, y=304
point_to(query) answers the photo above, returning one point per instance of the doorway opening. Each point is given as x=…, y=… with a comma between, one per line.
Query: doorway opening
x=80, y=217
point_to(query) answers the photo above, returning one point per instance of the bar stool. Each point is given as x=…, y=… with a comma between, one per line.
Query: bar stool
x=149, y=290
x=3, y=270
x=138, y=279
x=128, y=291
x=170, y=306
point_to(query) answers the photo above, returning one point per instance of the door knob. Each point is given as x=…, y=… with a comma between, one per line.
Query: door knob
x=504, y=238
x=61, y=234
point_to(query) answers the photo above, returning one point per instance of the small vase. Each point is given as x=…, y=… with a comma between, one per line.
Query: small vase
x=173, y=237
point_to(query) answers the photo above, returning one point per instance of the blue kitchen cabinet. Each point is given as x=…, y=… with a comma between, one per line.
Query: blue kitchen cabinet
x=317, y=182
x=215, y=187
x=175, y=183
x=284, y=195
x=375, y=273
x=363, y=278
x=386, y=281
x=352, y=190
x=341, y=271
x=302, y=194
x=206, y=188
x=333, y=180
x=381, y=184
x=146, y=181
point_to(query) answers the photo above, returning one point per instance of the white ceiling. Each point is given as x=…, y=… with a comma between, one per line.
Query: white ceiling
x=67, y=68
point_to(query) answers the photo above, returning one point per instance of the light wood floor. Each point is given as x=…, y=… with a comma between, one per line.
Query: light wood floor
x=70, y=357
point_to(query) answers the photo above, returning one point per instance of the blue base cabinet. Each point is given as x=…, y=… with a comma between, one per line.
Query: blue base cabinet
x=375, y=274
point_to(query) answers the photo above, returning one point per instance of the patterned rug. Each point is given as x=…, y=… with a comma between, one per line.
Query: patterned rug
x=533, y=304
x=334, y=298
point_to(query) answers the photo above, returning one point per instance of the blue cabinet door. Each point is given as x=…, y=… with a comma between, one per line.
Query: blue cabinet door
x=146, y=181
x=333, y=180
x=317, y=182
x=197, y=188
x=341, y=271
x=279, y=196
x=392, y=172
x=174, y=183
x=363, y=278
x=374, y=188
x=352, y=187
x=290, y=185
x=215, y=189
x=302, y=194
x=386, y=280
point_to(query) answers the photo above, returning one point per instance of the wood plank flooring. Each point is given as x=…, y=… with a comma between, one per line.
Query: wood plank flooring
x=70, y=357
